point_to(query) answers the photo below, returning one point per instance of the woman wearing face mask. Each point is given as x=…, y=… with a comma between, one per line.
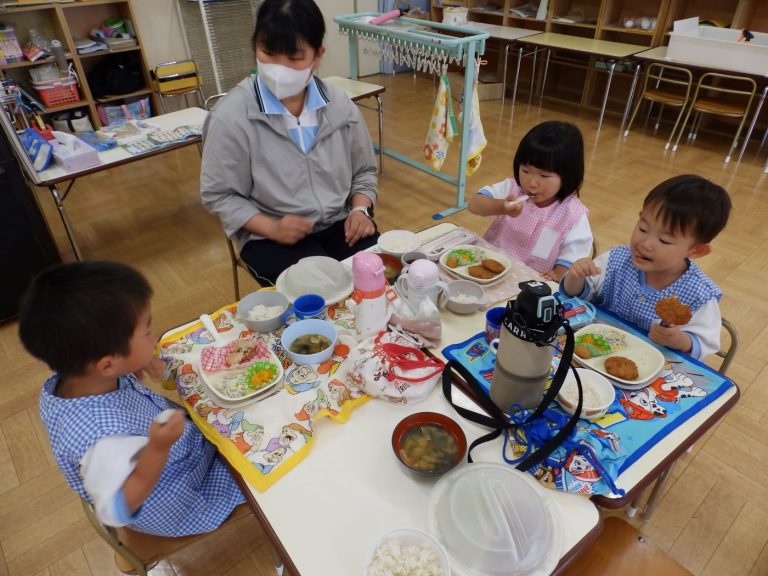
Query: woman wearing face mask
x=288, y=164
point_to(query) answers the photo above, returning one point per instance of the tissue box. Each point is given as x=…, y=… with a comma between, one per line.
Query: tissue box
x=73, y=154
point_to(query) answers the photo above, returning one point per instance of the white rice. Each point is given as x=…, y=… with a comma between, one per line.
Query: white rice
x=464, y=299
x=592, y=398
x=399, y=245
x=261, y=312
x=395, y=559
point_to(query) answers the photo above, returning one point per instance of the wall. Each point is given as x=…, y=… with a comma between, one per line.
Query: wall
x=160, y=29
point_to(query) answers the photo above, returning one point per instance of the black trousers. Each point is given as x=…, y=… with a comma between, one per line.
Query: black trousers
x=267, y=259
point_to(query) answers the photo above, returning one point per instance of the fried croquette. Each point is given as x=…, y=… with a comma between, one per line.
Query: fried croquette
x=452, y=262
x=673, y=312
x=582, y=351
x=493, y=265
x=480, y=272
x=621, y=367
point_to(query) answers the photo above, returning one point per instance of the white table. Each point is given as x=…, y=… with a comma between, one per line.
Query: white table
x=324, y=515
x=53, y=176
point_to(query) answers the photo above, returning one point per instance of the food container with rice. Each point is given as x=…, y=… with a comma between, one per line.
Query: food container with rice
x=407, y=551
x=465, y=297
x=398, y=242
x=599, y=394
x=263, y=311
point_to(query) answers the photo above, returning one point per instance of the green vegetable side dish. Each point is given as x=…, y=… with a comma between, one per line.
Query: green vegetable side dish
x=260, y=374
x=464, y=256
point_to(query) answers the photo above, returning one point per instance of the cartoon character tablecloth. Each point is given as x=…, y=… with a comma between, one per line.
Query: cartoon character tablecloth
x=598, y=452
x=262, y=440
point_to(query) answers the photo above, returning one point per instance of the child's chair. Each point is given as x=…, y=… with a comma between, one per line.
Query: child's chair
x=668, y=86
x=177, y=79
x=727, y=353
x=720, y=95
x=357, y=91
x=621, y=549
x=136, y=552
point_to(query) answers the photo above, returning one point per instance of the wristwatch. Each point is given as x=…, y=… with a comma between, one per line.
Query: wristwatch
x=368, y=211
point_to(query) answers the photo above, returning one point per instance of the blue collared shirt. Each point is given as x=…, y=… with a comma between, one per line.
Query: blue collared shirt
x=304, y=128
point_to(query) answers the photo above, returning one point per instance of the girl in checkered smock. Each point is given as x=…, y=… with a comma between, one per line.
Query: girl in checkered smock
x=679, y=219
x=119, y=445
x=539, y=217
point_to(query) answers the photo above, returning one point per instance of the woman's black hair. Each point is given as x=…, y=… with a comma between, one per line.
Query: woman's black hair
x=75, y=314
x=282, y=26
x=555, y=147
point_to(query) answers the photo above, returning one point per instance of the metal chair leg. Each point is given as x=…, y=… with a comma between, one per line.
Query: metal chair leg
x=235, y=277
x=380, y=110
x=674, y=128
x=110, y=537
x=682, y=128
x=653, y=499
x=658, y=118
x=634, y=115
x=736, y=138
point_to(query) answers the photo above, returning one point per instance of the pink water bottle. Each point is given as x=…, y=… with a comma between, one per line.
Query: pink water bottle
x=369, y=300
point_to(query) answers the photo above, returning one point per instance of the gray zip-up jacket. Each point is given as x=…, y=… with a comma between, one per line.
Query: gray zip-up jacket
x=251, y=165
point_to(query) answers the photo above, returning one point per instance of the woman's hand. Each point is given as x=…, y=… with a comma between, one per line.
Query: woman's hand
x=671, y=337
x=357, y=226
x=290, y=229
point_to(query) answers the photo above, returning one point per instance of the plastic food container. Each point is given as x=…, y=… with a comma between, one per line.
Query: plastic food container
x=398, y=242
x=409, y=537
x=602, y=391
x=465, y=296
x=493, y=522
x=267, y=298
x=318, y=275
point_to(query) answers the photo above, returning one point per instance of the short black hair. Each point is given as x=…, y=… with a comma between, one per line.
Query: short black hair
x=556, y=147
x=74, y=314
x=691, y=204
x=283, y=25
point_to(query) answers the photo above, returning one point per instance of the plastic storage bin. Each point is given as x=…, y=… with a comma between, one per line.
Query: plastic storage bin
x=58, y=92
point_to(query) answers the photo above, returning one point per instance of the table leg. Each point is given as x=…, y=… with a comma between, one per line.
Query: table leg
x=517, y=75
x=544, y=79
x=59, y=200
x=650, y=505
x=605, y=96
x=533, y=76
x=631, y=97
x=754, y=121
x=504, y=76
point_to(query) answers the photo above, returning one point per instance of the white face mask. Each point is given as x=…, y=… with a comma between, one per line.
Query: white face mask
x=283, y=81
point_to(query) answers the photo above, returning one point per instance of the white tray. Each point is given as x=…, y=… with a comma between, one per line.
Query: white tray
x=461, y=271
x=648, y=359
x=214, y=380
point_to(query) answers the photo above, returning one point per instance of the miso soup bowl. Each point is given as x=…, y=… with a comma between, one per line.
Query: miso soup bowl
x=303, y=327
x=420, y=419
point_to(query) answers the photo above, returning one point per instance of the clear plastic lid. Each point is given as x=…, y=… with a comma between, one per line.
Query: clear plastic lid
x=491, y=521
x=318, y=275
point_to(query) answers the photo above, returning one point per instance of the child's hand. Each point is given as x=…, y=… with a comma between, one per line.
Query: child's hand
x=513, y=206
x=671, y=337
x=584, y=267
x=155, y=369
x=162, y=435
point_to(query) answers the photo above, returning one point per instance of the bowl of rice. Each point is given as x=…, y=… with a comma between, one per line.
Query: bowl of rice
x=398, y=242
x=465, y=296
x=407, y=551
x=263, y=311
x=599, y=394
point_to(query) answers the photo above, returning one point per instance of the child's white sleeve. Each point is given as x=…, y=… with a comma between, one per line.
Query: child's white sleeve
x=500, y=190
x=576, y=244
x=104, y=468
x=704, y=329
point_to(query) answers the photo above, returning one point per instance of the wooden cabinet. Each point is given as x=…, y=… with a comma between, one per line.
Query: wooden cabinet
x=64, y=22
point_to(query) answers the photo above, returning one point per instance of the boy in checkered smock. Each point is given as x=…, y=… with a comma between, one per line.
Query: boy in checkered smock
x=679, y=219
x=90, y=322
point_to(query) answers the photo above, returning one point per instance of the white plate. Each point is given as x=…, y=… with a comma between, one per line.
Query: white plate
x=333, y=298
x=214, y=380
x=648, y=359
x=482, y=253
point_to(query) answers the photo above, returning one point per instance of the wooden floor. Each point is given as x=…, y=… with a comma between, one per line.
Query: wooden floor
x=714, y=516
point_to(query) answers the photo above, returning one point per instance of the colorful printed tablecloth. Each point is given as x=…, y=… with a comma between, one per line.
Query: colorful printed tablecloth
x=262, y=440
x=635, y=422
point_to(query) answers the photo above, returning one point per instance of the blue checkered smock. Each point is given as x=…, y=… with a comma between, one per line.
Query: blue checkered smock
x=195, y=492
x=625, y=293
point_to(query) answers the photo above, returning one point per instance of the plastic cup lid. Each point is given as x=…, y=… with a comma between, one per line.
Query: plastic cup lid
x=317, y=274
x=492, y=521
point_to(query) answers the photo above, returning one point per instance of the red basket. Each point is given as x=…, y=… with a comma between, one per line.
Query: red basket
x=59, y=92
